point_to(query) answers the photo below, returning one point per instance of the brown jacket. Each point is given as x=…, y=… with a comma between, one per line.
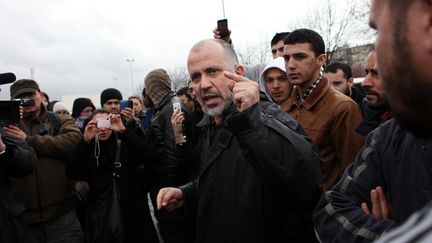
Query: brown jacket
x=47, y=193
x=330, y=119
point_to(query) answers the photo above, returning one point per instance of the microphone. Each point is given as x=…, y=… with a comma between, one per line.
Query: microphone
x=7, y=78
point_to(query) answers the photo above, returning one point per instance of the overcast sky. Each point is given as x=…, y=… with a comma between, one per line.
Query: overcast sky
x=80, y=47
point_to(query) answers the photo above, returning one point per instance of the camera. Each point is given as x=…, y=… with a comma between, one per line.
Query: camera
x=10, y=111
x=103, y=122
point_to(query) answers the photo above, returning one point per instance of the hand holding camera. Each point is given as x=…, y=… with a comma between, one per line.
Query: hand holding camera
x=116, y=123
x=15, y=132
x=177, y=119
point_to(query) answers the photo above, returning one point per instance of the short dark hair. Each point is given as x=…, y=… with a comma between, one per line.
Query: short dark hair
x=94, y=113
x=333, y=67
x=184, y=91
x=307, y=36
x=278, y=37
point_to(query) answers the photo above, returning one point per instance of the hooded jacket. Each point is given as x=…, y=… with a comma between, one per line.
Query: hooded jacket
x=278, y=63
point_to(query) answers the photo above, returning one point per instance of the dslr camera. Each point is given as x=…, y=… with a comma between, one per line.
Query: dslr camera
x=10, y=109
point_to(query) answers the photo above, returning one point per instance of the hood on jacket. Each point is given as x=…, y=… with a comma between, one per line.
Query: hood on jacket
x=278, y=63
x=157, y=85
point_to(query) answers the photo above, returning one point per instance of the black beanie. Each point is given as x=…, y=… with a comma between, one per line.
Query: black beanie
x=79, y=105
x=109, y=94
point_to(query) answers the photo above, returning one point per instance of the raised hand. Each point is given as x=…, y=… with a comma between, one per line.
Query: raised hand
x=177, y=119
x=116, y=123
x=90, y=131
x=128, y=114
x=246, y=91
x=216, y=35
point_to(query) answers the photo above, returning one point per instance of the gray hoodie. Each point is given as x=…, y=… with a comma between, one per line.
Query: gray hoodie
x=279, y=63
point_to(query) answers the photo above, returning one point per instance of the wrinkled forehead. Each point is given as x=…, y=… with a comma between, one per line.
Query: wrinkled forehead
x=208, y=55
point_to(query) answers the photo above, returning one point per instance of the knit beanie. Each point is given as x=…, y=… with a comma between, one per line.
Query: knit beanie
x=109, y=94
x=79, y=105
x=157, y=85
x=59, y=106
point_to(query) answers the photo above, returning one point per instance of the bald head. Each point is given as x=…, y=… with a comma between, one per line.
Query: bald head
x=228, y=50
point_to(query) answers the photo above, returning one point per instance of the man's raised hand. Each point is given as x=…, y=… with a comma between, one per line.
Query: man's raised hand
x=245, y=91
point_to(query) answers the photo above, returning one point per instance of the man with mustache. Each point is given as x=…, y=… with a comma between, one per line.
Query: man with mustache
x=392, y=176
x=259, y=173
x=378, y=107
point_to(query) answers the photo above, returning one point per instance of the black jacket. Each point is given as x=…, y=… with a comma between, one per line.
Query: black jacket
x=168, y=168
x=83, y=166
x=259, y=178
x=391, y=158
x=19, y=160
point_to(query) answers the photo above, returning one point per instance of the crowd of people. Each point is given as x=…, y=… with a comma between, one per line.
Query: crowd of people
x=297, y=153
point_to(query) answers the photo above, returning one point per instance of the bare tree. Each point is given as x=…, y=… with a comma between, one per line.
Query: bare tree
x=254, y=54
x=339, y=23
x=179, y=77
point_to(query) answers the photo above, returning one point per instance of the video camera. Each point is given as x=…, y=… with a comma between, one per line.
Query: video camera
x=9, y=109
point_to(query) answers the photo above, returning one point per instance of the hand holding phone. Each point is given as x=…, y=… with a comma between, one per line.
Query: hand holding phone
x=125, y=103
x=222, y=27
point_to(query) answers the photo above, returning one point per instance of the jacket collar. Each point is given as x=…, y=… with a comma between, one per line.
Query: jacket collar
x=312, y=98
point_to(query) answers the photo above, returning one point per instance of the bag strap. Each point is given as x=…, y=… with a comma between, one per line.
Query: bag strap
x=117, y=162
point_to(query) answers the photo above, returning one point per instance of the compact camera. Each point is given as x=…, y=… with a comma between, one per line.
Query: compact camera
x=103, y=122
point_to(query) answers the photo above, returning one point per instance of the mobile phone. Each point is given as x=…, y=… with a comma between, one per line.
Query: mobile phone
x=176, y=106
x=125, y=103
x=222, y=26
x=103, y=122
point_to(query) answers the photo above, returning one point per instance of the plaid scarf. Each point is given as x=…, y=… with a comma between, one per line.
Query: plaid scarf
x=157, y=85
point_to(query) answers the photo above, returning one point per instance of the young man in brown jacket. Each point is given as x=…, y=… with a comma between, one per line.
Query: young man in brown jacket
x=328, y=117
x=47, y=193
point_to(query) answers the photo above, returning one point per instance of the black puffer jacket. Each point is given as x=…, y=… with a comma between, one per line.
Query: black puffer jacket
x=18, y=161
x=167, y=167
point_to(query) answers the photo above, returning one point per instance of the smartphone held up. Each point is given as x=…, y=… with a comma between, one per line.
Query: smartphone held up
x=222, y=27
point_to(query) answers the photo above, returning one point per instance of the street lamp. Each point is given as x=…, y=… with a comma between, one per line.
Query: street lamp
x=115, y=82
x=130, y=61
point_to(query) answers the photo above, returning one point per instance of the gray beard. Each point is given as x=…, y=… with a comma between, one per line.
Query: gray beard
x=218, y=111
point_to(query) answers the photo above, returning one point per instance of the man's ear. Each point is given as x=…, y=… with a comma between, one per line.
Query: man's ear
x=239, y=69
x=350, y=82
x=322, y=59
